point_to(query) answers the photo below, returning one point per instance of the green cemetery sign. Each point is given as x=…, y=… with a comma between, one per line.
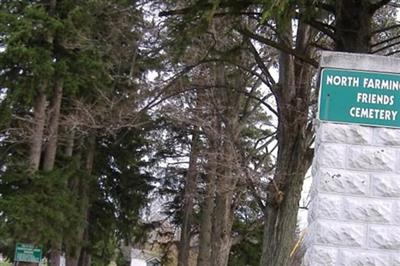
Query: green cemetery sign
x=360, y=97
x=27, y=253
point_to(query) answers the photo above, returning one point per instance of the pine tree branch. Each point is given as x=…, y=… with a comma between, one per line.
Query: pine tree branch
x=249, y=230
x=277, y=46
x=321, y=47
x=252, y=186
x=323, y=27
x=184, y=11
x=221, y=14
x=246, y=107
x=175, y=12
x=329, y=30
x=327, y=7
x=203, y=6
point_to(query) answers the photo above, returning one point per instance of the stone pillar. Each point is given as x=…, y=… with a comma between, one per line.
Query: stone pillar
x=354, y=216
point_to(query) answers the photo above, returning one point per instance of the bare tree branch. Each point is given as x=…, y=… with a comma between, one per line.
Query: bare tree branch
x=256, y=74
x=261, y=65
x=386, y=47
x=261, y=100
x=397, y=5
x=385, y=41
x=393, y=53
x=385, y=29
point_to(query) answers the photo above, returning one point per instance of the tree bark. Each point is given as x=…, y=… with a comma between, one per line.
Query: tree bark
x=352, y=34
x=71, y=256
x=208, y=202
x=78, y=253
x=207, y=208
x=188, y=202
x=35, y=152
x=223, y=212
x=228, y=168
x=39, y=117
x=69, y=147
x=294, y=154
x=85, y=256
x=50, y=156
x=52, y=136
x=55, y=254
x=353, y=26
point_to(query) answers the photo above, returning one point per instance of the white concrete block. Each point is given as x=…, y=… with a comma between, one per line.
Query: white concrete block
x=340, y=181
x=367, y=210
x=384, y=237
x=339, y=233
x=398, y=164
x=326, y=207
x=371, y=158
x=396, y=213
x=366, y=258
x=387, y=136
x=386, y=185
x=396, y=260
x=320, y=256
x=352, y=134
x=331, y=155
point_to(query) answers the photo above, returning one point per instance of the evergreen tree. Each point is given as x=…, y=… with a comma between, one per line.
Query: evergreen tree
x=85, y=53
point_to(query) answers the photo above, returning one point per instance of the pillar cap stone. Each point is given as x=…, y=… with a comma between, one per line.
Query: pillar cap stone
x=360, y=62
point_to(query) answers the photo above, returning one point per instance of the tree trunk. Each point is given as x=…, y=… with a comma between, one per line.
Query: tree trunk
x=223, y=212
x=207, y=209
x=352, y=34
x=71, y=255
x=55, y=254
x=227, y=170
x=35, y=152
x=353, y=26
x=39, y=117
x=78, y=254
x=294, y=154
x=281, y=212
x=50, y=156
x=85, y=256
x=72, y=260
x=69, y=147
x=52, y=136
x=188, y=202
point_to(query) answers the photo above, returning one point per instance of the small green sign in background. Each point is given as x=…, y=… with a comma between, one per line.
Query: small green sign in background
x=360, y=97
x=27, y=253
